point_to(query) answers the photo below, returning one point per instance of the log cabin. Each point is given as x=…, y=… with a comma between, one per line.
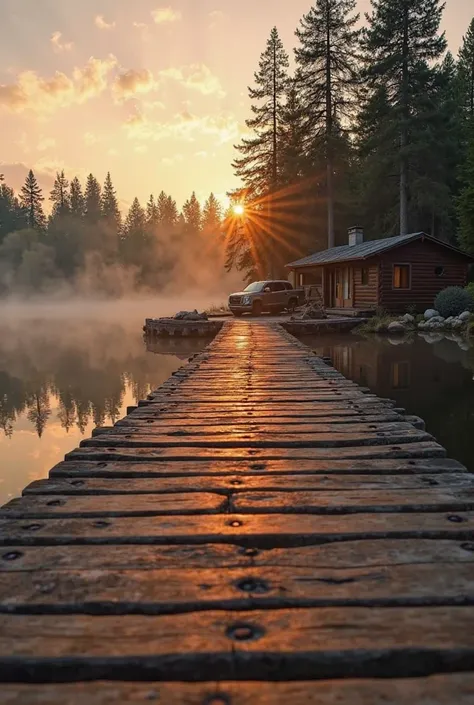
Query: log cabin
x=394, y=273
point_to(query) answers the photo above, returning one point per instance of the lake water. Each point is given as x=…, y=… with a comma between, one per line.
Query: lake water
x=432, y=378
x=62, y=375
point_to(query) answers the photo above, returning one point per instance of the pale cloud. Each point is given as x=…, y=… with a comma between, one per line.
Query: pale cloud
x=129, y=83
x=165, y=15
x=141, y=149
x=58, y=44
x=201, y=155
x=216, y=16
x=45, y=95
x=101, y=23
x=89, y=138
x=171, y=161
x=140, y=25
x=45, y=143
x=184, y=126
x=198, y=77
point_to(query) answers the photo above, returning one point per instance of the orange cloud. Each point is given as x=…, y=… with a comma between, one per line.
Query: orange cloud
x=131, y=82
x=198, y=77
x=43, y=96
x=58, y=44
x=184, y=126
x=101, y=23
x=165, y=15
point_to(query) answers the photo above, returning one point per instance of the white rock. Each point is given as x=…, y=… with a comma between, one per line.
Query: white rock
x=430, y=313
x=465, y=316
x=408, y=318
x=396, y=327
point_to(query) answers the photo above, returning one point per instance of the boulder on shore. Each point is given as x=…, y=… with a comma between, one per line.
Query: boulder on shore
x=190, y=316
x=431, y=313
x=396, y=328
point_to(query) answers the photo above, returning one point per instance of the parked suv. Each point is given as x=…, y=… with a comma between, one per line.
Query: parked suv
x=267, y=296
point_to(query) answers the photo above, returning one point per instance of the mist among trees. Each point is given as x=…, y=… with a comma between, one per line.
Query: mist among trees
x=88, y=246
x=374, y=127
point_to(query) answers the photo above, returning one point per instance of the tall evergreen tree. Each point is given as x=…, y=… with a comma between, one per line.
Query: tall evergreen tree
x=134, y=235
x=76, y=198
x=60, y=197
x=31, y=199
x=466, y=74
x=109, y=204
x=12, y=216
x=92, y=200
x=466, y=200
x=152, y=215
x=192, y=215
x=327, y=60
x=169, y=216
x=402, y=42
x=259, y=163
x=211, y=215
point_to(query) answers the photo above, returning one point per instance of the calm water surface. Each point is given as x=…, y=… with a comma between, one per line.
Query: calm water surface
x=61, y=377
x=432, y=378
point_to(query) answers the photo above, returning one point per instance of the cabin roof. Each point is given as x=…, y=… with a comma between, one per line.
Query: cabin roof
x=347, y=253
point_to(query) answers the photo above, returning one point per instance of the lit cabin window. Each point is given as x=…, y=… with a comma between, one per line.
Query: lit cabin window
x=401, y=276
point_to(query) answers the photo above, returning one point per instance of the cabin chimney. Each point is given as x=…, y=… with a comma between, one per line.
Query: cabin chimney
x=356, y=236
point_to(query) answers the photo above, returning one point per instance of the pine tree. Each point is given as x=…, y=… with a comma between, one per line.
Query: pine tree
x=466, y=74
x=76, y=198
x=92, y=200
x=259, y=164
x=31, y=198
x=192, y=215
x=60, y=197
x=402, y=42
x=465, y=203
x=109, y=204
x=152, y=215
x=327, y=77
x=211, y=216
x=134, y=235
x=12, y=216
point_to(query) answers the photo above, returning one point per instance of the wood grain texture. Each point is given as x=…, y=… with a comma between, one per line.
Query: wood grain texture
x=254, y=467
x=457, y=689
x=181, y=590
x=256, y=530
x=248, y=483
x=295, y=644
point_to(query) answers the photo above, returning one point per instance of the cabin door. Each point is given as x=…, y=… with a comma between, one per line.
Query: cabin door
x=344, y=287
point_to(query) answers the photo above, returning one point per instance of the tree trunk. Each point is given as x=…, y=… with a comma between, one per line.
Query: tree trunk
x=404, y=129
x=329, y=130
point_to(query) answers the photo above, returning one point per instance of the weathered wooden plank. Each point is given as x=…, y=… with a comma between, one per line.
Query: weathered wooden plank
x=254, y=419
x=315, y=439
x=353, y=501
x=452, y=689
x=357, y=553
x=161, y=428
x=105, y=451
x=316, y=643
x=115, y=505
x=275, y=530
x=179, y=590
x=249, y=483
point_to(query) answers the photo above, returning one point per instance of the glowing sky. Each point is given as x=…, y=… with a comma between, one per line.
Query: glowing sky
x=155, y=93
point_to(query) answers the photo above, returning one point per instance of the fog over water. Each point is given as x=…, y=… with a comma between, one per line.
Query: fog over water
x=68, y=367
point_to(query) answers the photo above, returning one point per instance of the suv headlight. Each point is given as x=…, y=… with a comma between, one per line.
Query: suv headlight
x=246, y=301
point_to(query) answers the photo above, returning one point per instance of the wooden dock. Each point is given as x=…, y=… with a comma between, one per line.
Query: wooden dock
x=261, y=530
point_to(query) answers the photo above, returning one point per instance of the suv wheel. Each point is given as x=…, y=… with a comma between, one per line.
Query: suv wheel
x=292, y=304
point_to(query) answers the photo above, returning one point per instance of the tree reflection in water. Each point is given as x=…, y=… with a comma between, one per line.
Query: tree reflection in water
x=430, y=376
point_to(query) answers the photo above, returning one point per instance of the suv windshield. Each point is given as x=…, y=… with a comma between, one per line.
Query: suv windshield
x=256, y=286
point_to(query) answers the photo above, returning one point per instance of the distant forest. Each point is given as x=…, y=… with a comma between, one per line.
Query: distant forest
x=86, y=245
x=374, y=128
